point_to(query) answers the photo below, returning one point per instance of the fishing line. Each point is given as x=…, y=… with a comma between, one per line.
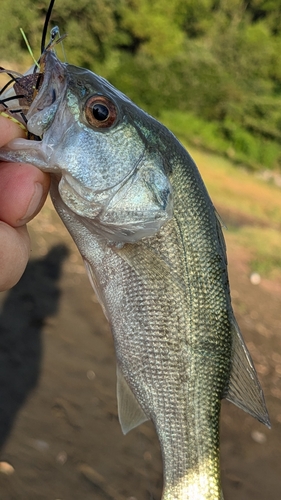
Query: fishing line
x=11, y=98
x=24, y=118
x=8, y=99
x=55, y=33
x=15, y=110
x=7, y=85
x=60, y=39
x=46, y=23
x=12, y=74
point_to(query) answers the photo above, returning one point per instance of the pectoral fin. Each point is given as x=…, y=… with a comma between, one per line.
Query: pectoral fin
x=129, y=411
x=244, y=389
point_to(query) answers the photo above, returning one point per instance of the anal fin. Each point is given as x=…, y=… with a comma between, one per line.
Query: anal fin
x=129, y=411
x=244, y=389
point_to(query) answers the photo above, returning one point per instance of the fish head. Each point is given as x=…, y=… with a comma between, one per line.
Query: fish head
x=102, y=149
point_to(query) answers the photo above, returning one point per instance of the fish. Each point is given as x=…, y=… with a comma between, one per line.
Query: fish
x=136, y=206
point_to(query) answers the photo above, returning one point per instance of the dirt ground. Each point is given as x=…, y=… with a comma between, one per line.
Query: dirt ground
x=58, y=419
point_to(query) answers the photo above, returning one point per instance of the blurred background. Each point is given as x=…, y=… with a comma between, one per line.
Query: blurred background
x=209, y=70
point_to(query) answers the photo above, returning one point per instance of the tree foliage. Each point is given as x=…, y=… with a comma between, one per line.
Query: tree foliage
x=214, y=59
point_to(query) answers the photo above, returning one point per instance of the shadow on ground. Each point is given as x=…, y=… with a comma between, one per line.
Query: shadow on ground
x=24, y=311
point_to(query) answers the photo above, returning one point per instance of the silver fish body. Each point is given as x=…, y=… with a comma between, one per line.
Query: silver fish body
x=137, y=208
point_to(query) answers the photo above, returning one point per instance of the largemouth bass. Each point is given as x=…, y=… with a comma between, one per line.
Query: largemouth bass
x=136, y=206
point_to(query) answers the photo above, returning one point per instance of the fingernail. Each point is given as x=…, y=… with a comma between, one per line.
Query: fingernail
x=34, y=203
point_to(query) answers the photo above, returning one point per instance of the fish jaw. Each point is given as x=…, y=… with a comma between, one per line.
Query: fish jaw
x=51, y=96
x=123, y=192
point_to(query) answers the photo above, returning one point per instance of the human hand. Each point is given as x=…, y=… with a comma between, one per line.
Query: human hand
x=23, y=190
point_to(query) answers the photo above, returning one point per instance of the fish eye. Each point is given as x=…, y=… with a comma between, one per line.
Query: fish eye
x=100, y=112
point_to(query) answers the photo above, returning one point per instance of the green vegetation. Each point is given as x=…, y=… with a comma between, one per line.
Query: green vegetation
x=226, y=138
x=210, y=68
x=251, y=209
x=264, y=247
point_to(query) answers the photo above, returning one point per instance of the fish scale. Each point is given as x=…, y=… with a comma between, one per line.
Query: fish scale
x=137, y=208
x=192, y=369
x=181, y=449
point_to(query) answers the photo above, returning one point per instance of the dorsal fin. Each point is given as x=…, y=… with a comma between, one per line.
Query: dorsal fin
x=129, y=411
x=244, y=389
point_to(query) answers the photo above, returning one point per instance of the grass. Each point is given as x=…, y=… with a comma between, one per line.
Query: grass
x=226, y=138
x=265, y=246
x=253, y=204
x=239, y=190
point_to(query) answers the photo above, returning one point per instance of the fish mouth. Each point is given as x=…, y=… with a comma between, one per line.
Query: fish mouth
x=43, y=108
x=39, y=90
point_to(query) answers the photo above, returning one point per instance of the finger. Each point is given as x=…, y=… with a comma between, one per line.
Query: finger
x=23, y=190
x=14, y=254
x=9, y=130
